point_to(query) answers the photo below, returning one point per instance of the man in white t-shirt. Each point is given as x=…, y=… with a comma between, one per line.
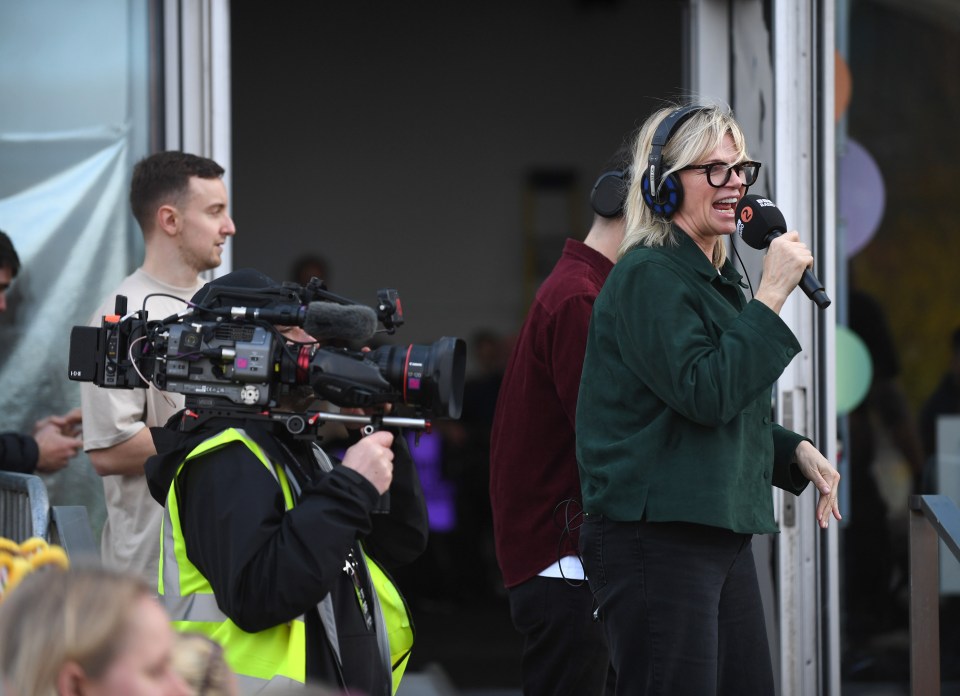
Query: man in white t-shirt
x=180, y=203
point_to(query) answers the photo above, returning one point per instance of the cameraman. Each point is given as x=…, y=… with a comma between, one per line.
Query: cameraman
x=54, y=440
x=266, y=543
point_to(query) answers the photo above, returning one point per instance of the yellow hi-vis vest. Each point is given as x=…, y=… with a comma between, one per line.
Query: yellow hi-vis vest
x=275, y=656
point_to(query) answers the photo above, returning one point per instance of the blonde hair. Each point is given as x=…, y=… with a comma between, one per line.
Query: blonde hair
x=694, y=139
x=199, y=661
x=58, y=616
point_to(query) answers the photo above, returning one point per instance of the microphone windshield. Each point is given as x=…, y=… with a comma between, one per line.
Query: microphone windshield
x=759, y=221
x=330, y=320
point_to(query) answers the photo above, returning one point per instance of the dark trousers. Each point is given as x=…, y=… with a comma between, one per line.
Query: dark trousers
x=680, y=606
x=564, y=650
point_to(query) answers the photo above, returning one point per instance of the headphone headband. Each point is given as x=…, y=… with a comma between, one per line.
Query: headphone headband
x=665, y=130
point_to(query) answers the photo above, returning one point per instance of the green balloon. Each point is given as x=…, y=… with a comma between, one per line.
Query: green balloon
x=854, y=370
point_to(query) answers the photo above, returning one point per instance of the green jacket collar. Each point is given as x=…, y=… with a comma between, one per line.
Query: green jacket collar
x=692, y=255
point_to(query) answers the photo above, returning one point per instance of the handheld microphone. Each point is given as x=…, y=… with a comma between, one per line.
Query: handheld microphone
x=330, y=320
x=759, y=222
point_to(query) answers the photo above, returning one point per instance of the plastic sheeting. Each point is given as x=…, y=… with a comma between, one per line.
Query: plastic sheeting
x=72, y=231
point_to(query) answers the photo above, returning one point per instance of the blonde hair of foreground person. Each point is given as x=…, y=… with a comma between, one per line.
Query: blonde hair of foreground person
x=199, y=660
x=86, y=631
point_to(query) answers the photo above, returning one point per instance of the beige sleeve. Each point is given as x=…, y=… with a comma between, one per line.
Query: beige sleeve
x=111, y=416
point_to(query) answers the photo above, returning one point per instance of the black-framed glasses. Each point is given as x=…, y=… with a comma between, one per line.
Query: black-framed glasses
x=718, y=173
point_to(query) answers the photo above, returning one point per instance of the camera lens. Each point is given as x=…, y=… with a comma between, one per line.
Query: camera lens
x=431, y=376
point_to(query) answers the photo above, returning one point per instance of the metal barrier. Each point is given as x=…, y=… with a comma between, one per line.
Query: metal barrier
x=25, y=512
x=932, y=517
x=24, y=507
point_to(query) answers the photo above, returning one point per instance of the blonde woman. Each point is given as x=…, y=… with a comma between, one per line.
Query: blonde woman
x=86, y=632
x=676, y=449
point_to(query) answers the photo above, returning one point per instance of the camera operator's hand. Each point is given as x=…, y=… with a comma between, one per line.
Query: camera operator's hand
x=372, y=458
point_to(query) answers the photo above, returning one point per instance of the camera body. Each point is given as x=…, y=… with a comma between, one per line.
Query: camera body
x=227, y=355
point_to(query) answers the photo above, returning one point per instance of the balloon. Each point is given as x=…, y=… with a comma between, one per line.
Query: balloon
x=842, y=86
x=854, y=370
x=862, y=196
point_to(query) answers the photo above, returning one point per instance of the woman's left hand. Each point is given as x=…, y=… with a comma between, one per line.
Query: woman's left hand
x=815, y=467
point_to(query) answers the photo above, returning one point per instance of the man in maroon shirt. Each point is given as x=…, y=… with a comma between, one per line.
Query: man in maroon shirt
x=534, y=482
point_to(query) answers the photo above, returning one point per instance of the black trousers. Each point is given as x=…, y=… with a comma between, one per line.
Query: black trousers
x=564, y=650
x=680, y=606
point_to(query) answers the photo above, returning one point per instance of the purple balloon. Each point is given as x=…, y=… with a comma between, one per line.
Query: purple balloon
x=862, y=196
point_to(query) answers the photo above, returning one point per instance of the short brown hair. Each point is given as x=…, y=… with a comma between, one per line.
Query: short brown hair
x=163, y=178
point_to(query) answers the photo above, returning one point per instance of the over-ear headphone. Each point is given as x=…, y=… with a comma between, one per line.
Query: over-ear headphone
x=664, y=195
x=610, y=193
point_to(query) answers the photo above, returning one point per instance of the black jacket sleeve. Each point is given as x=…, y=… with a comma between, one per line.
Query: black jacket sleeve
x=400, y=536
x=18, y=453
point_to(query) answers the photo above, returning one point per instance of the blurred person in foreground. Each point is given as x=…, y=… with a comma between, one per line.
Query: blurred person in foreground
x=675, y=443
x=199, y=660
x=534, y=482
x=55, y=438
x=86, y=632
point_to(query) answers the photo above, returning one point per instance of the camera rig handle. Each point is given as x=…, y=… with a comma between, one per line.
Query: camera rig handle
x=300, y=425
x=373, y=423
x=305, y=426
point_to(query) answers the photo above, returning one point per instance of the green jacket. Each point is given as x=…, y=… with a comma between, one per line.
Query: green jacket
x=674, y=413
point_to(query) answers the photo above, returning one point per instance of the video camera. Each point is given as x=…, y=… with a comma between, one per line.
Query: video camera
x=226, y=354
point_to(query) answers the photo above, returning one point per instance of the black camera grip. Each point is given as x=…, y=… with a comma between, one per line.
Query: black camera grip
x=383, y=505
